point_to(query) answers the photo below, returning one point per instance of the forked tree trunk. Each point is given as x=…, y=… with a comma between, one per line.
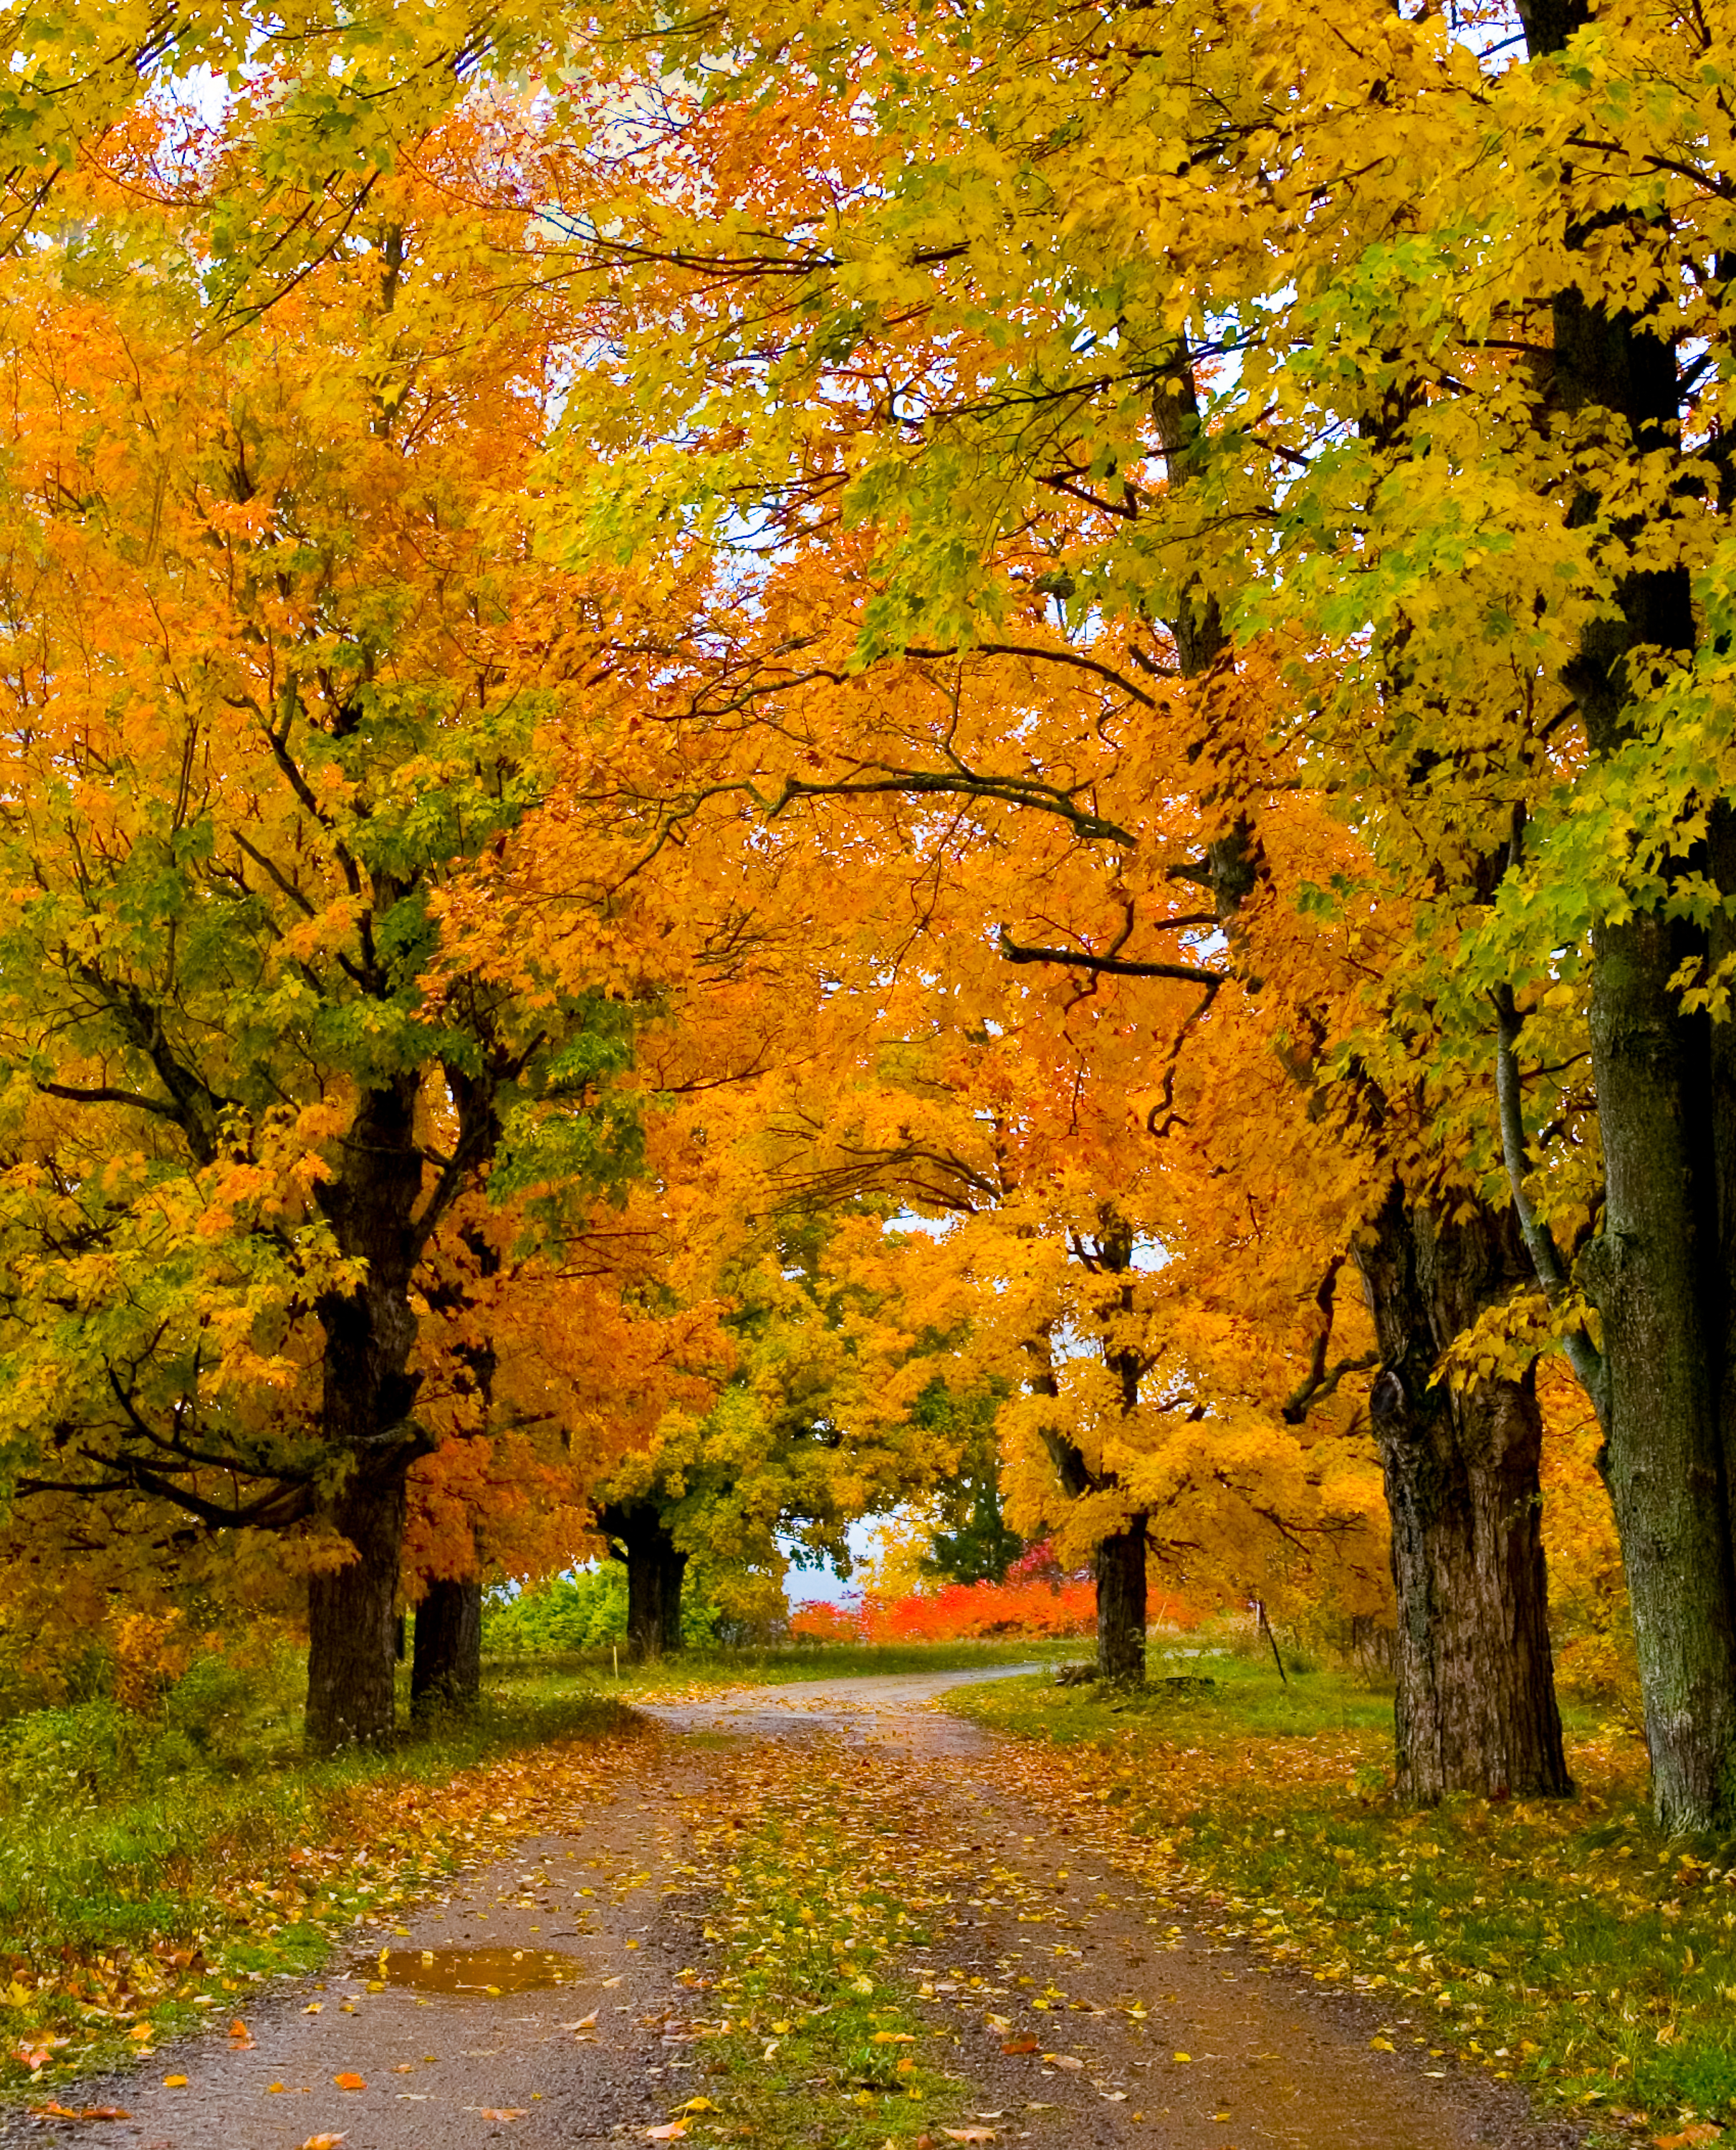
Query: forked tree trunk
x=1121, y=1604
x=446, y=1671
x=1474, y=1708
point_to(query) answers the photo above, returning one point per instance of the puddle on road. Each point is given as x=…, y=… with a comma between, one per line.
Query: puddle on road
x=485, y=1972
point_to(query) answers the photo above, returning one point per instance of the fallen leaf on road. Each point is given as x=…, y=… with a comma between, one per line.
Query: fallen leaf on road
x=1020, y=2046
x=505, y=2111
x=313, y=2008
x=52, y=2112
x=1381, y=2045
x=350, y=2083
x=237, y=2029
x=323, y=2142
x=175, y=2082
x=968, y=2134
x=672, y=2134
x=1067, y=2060
x=1184, y=2056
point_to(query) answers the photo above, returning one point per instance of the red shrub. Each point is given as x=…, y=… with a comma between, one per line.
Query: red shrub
x=957, y=1614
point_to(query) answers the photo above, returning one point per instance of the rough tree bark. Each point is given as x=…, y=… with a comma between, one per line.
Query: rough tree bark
x=1121, y=1604
x=445, y=1670
x=1475, y=1708
x=1659, y=1279
x=367, y=1391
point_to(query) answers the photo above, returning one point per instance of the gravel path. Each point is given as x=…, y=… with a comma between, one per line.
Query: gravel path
x=1151, y=2035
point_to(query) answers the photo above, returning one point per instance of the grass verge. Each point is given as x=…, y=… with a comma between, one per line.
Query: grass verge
x=1563, y=1944
x=822, y=1880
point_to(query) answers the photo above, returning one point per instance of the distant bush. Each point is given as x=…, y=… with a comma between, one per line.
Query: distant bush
x=585, y=1611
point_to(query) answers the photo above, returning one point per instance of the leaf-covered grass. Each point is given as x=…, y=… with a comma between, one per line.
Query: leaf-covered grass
x=1561, y=1943
x=821, y=1878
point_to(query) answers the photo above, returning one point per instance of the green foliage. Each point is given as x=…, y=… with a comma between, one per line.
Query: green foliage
x=978, y=1548
x=568, y=1612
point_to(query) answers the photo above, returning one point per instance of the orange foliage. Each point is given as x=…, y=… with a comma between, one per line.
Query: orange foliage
x=962, y=1611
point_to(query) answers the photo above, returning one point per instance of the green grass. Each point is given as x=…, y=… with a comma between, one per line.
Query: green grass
x=784, y=1663
x=818, y=1891
x=1561, y=1943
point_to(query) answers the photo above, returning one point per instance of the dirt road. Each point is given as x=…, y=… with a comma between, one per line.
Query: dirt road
x=549, y=2000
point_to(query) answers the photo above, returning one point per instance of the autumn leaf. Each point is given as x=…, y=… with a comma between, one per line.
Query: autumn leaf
x=505, y=2111
x=323, y=2142
x=350, y=2083
x=670, y=2132
x=175, y=2082
x=970, y=2134
x=1021, y=2045
x=1696, y=2133
x=1062, y=2061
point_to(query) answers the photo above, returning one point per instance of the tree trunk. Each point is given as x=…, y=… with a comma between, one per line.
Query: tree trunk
x=1121, y=1604
x=367, y=1394
x=1657, y=1275
x=1660, y=1270
x=655, y=1568
x=353, y=1620
x=1475, y=1708
x=446, y=1672
x=675, y=1576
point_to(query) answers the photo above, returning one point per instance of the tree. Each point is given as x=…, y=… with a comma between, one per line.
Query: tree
x=962, y=357
x=816, y=1426
x=276, y=682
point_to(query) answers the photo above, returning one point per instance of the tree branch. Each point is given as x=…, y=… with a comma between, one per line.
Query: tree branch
x=1582, y=1356
x=1082, y=959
